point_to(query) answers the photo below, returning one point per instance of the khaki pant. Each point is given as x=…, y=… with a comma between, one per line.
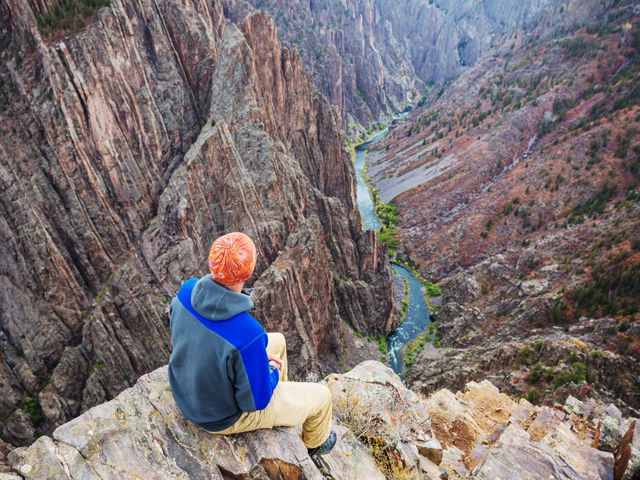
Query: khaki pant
x=292, y=403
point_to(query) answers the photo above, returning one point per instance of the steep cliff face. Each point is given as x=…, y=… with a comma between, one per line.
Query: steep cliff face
x=518, y=190
x=125, y=149
x=371, y=57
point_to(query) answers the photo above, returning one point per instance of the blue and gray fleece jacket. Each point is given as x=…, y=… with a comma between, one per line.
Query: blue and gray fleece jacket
x=218, y=367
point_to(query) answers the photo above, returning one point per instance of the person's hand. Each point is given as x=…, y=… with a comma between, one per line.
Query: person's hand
x=275, y=360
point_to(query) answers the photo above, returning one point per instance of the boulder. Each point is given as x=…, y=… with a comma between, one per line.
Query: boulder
x=573, y=405
x=387, y=417
x=610, y=434
x=384, y=431
x=485, y=432
x=462, y=420
x=533, y=287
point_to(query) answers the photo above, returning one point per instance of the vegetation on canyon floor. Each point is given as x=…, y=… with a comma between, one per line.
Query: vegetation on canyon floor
x=415, y=346
x=389, y=235
x=388, y=216
x=404, y=303
x=380, y=340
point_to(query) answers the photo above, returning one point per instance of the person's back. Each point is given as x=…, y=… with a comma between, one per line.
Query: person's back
x=226, y=373
x=216, y=352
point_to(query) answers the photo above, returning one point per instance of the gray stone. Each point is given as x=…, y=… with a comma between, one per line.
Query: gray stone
x=349, y=458
x=142, y=434
x=610, y=435
x=533, y=287
x=573, y=405
x=9, y=476
x=614, y=412
x=517, y=457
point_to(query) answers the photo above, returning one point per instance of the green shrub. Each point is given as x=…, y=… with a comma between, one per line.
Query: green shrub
x=536, y=373
x=381, y=340
x=17, y=58
x=630, y=98
x=533, y=395
x=412, y=348
x=593, y=206
x=579, y=47
x=557, y=313
x=402, y=314
x=433, y=289
x=538, y=345
x=97, y=366
x=387, y=213
x=434, y=334
x=389, y=237
x=614, y=287
x=33, y=409
x=68, y=16
x=624, y=142
x=522, y=356
x=561, y=105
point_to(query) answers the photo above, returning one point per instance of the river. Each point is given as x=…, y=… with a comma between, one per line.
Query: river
x=417, y=317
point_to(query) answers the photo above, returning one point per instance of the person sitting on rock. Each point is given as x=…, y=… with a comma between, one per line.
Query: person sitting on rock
x=226, y=373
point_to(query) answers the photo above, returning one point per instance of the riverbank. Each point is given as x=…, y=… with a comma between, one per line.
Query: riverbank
x=387, y=219
x=413, y=303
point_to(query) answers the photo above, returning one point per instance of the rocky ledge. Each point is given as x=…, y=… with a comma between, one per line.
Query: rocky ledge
x=385, y=431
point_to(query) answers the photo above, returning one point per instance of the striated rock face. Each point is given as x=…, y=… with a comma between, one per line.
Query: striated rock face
x=373, y=56
x=477, y=433
x=125, y=149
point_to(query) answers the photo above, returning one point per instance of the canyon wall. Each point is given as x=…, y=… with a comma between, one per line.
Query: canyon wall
x=126, y=148
x=372, y=57
x=518, y=191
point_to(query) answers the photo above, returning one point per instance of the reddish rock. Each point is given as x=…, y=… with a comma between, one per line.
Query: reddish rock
x=125, y=149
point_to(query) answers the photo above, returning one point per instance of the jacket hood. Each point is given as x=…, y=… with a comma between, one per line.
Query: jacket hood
x=216, y=302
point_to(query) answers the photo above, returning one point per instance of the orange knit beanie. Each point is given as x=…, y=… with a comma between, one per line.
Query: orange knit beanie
x=232, y=258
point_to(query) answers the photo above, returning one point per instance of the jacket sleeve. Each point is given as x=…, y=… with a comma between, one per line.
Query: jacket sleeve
x=255, y=379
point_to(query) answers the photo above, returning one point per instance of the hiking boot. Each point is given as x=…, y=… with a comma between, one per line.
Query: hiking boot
x=326, y=447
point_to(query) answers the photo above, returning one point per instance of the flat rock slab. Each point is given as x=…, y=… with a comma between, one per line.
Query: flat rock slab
x=516, y=457
x=350, y=458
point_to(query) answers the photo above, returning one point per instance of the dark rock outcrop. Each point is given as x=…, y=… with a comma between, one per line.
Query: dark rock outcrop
x=125, y=149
